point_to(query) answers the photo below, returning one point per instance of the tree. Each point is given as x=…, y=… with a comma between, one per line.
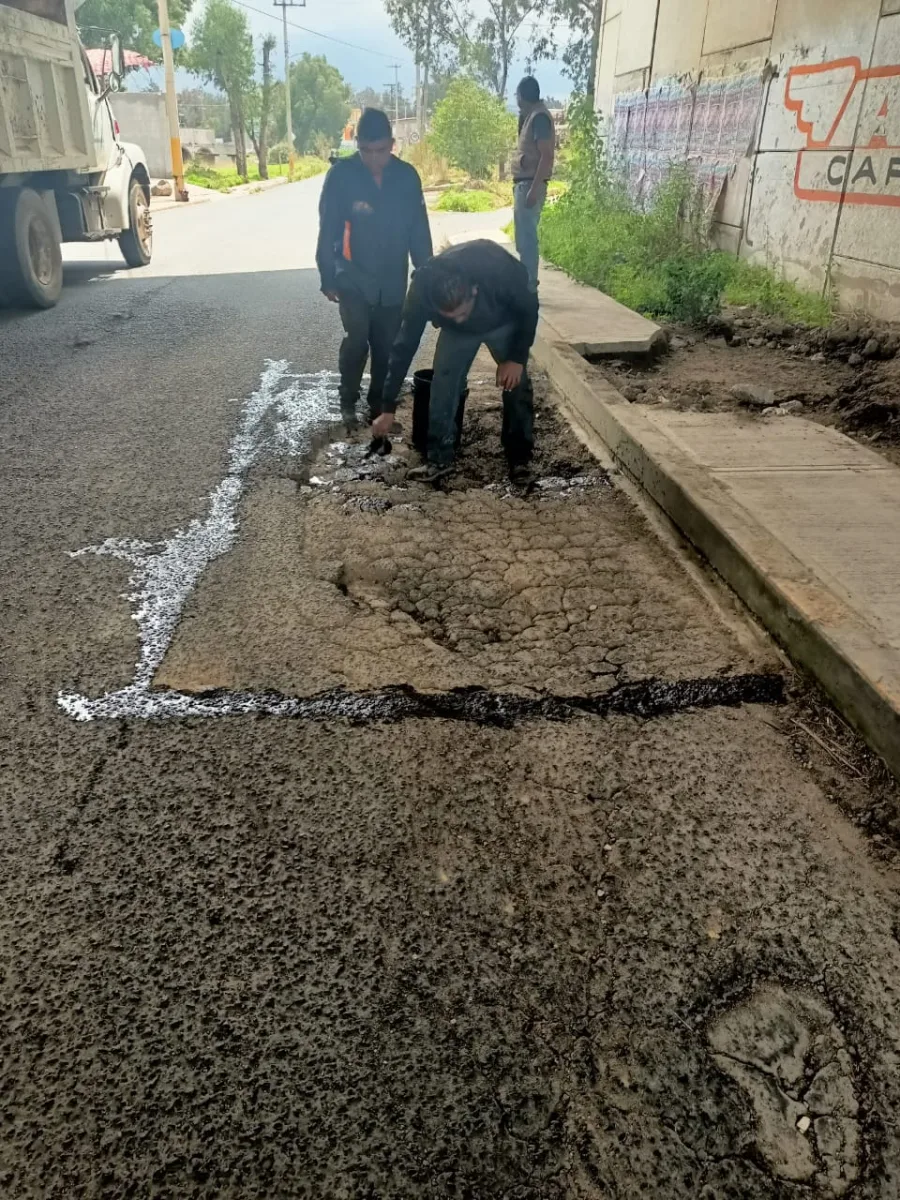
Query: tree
x=259, y=108
x=488, y=52
x=198, y=109
x=367, y=98
x=472, y=128
x=429, y=28
x=222, y=52
x=320, y=103
x=133, y=20
x=583, y=19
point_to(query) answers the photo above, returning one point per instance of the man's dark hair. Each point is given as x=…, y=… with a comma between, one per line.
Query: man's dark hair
x=529, y=89
x=374, y=126
x=447, y=285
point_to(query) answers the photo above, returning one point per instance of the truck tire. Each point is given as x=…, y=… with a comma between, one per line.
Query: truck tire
x=30, y=254
x=136, y=242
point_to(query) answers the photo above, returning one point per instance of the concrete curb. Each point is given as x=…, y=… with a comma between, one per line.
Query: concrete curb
x=819, y=630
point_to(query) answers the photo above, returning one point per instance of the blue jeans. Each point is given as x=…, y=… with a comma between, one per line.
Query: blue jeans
x=526, y=222
x=453, y=357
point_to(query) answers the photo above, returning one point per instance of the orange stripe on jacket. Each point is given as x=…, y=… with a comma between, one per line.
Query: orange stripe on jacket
x=347, y=255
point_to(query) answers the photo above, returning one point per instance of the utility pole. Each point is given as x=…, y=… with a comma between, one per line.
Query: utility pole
x=396, y=96
x=165, y=37
x=284, y=5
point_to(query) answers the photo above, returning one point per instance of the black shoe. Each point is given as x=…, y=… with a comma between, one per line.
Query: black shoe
x=429, y=473
x=349, y=418
x=522, y=476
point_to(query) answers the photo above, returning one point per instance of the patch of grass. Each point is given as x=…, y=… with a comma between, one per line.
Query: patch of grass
x=223, y=179
x=467, y=200
x=654, y=263
x=760, y=288
x=480, y=195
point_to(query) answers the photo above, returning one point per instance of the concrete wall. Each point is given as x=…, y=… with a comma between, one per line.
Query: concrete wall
x=789, y=113
x=142, y=119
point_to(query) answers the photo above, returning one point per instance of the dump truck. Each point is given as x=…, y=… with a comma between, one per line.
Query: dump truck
x=65, y=175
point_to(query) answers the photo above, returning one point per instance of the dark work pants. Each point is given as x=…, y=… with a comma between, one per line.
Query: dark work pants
x=367, y=327
x=453, y=357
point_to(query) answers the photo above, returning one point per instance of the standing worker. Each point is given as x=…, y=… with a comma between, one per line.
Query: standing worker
x=477, y=294
x=372, y=221
x=532, y=168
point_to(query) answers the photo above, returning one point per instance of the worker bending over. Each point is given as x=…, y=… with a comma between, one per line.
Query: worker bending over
x=478, y=295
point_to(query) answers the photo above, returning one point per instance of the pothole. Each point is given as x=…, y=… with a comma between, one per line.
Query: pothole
x=786, y=1051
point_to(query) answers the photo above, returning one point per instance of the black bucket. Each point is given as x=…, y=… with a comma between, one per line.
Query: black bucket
x=421, y=400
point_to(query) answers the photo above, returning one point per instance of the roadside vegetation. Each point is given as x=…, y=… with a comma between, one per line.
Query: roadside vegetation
x=658, y=260
x=467, y=152
x=223, y=179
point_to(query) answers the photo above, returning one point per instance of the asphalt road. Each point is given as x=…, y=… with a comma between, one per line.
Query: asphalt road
x=361, y=841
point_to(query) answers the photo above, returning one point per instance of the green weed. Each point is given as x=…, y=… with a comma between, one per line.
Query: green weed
x=467, y=201
x=760, y=288
x=223, y=179
x=658, y=260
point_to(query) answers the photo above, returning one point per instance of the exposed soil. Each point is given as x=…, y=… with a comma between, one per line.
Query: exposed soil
x=847, y=377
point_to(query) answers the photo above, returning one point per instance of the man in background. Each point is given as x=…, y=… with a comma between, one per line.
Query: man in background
x=532, y=168
x=372, y=221
x=477, y=294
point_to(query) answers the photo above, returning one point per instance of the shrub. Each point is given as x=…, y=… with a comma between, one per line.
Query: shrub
x=472, y=129
x=433, y=168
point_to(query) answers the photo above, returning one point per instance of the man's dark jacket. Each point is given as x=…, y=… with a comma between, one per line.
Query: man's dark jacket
x=503, y=299
x=367, y=233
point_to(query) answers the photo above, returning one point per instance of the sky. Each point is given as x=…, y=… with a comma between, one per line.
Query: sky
x=368, y=61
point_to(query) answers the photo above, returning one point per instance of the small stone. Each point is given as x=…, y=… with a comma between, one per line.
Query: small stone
x=737, y=340
x=855, y=360
x=777, y=329
x=872, y=348
x=720, y=325
x=791, y=406
x=803, y=1124
x=161, y=188
x=756, y=342
x=678, y=343
x=753, y=394
x=818, y=357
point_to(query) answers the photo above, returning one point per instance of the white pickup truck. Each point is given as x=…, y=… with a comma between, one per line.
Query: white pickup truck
x=64, y=174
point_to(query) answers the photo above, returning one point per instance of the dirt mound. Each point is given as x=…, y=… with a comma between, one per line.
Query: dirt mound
x=847, y=377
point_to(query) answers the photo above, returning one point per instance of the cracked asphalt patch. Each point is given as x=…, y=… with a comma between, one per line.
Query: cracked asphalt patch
x=256, y=957
x=560, y=591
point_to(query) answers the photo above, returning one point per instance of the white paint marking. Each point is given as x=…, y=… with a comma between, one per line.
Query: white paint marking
x=279, y=418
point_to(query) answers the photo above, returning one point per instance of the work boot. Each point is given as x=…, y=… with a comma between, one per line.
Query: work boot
x=521, y=475
x=430, y=473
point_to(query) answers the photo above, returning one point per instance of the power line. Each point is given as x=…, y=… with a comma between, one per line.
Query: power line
x=316, y=33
